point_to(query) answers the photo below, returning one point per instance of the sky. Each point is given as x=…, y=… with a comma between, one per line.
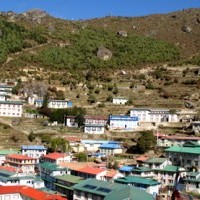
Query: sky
x=87, y=9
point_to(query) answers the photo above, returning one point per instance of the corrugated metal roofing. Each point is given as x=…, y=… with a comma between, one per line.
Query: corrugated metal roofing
x=34, y=147
x=178, y=149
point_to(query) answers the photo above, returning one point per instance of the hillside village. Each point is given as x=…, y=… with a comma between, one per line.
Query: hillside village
x=86, y=134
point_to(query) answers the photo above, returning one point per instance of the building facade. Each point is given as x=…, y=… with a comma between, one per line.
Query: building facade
x=11, y=109
x=154, y=115
x=120, y=122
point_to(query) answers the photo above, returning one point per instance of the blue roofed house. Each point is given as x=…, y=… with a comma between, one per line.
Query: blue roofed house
x=34, y=151
x=111, y=148
x=123, y=122
x=106, y=190
x=126, y=170
x=92, y=145
x=149, y=185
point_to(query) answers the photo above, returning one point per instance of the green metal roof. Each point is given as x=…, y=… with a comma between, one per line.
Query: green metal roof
x=155, y=160
x=115, y=191
x=171, y=168
x=63, y=186
x=129, y=193
x=142, y=169
x=52, y=166
x=9, y=151
x=194, y=174
x=69, y=178
x=178, y=149
x=138, y=180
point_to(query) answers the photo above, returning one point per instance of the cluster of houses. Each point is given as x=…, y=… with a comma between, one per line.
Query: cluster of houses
x=32, y=167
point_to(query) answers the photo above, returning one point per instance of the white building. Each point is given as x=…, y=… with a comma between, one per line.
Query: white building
x=111, y=148
x=92, y=145
x=54, y=104
x=122, y=122
x=70, y=121
x=6, y=89
x=154, y=115
x=56, y=158
x=119, y=100
x=94, y=128
x=157, y=163
x=8, y=178
x=20, y=162
x=34, y=151
x=2, y=97
x=11, y=109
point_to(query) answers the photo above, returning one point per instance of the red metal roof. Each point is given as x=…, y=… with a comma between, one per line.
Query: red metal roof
x=30, y=193
x=96, y=117
x=20, y=157
x=90, y=170
x=111, y=173
x=55, y=155
x=73, y=139
x=142, y=158
x=174, y=137
x=9, y=168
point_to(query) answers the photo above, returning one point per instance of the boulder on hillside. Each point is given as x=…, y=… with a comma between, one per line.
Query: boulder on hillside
x=104, y=53
x=122, y=33
x=186, y=29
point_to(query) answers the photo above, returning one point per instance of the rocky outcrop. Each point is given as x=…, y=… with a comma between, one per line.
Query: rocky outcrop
x=186, y=29
x=104, y=53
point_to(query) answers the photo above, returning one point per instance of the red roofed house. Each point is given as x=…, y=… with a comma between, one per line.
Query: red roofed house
x=56, y=158
x=113, y=174
x=26, y=193
x=174, y=140
x=90, y=172
x=20, y=162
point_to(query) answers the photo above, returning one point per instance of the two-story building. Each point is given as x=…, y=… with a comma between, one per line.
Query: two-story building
x=154, y=115
x=187, y=155
x=157, y=163
x=34, y=151
x=20, y=162
x=11, y=109
x=6, y=89
x=54, y=104
x=5, y=152
x=174, y=140
x=63, y=184
x=149, y=185
x=8, y=178
x=122, y=122
x=93, y=145
x=48, y=171
x=90, y=172
x=70, y=121
x=167, y=175
x=56, y=158
x=111, y=148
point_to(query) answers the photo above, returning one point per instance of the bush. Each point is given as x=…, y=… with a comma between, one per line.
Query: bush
x=31, y=137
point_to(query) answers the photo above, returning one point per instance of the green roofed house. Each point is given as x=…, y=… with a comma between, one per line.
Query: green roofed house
x=63, y=184
x=166, y=176
x=156, y=163
x=149, y=185
x=102, y=190
x=186, y=156
x=143, y=172
x=192, y=181
x=48, y=171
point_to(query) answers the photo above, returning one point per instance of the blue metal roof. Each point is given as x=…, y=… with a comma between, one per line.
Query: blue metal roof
x=111, y=146
x=126, y=168
x=123, y=117
x=34, y=147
